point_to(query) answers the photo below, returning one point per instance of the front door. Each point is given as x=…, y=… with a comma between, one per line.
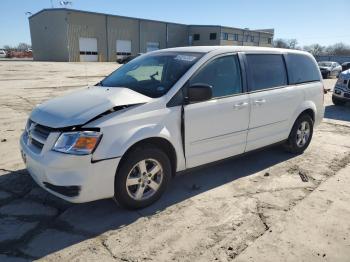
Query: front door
x=217, y=129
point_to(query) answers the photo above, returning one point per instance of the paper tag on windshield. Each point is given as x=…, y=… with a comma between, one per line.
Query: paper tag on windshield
x=187, y=58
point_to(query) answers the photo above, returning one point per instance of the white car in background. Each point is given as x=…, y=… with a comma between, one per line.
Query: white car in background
x=2, y=53
x=329, y=69
x=168, y=111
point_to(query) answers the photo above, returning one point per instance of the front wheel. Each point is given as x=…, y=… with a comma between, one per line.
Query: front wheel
x=301, y=134
x=142, y=177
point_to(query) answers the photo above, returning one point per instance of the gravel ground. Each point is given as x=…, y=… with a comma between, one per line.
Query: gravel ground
x=222, y=212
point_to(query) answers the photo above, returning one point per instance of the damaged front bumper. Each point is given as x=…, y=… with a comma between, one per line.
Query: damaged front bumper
x=74, y=178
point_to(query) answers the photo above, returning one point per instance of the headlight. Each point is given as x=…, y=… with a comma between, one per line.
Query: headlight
x=77, y=143
x=340, y=81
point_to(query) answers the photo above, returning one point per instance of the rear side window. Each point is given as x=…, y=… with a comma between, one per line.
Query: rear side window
x=302, y=69
x=266, y=71
x=223, y=74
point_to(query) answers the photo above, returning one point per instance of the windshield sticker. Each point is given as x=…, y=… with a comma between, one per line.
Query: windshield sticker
x=185, y=58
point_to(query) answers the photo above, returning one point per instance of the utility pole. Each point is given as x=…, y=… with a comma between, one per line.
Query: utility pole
x=52, y=4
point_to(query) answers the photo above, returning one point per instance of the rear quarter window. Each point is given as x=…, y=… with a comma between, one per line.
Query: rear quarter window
x=302, y=69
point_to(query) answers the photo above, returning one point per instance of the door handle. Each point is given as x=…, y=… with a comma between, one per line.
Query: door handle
x=259, y=102
x=240, y=105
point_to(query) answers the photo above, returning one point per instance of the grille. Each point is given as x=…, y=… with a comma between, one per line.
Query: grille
x=36, y=135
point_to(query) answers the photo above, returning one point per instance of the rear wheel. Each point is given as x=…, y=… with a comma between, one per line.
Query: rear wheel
x=142, y=177
x=337, y=101
x=300, y=136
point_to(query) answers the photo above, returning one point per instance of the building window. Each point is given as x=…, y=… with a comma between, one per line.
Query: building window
x=224, y=36
x=246, y=38
x=269, y=40
x=252, y=38
x=235, y=37
x=212, y=36
x=196, y=37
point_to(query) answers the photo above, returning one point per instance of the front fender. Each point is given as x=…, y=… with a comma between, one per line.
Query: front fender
x=145, y=132
x=114, y=146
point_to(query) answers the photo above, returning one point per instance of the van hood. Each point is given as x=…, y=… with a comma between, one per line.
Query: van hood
x=80, y=107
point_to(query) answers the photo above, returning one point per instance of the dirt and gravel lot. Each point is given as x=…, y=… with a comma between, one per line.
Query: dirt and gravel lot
x=264, y=206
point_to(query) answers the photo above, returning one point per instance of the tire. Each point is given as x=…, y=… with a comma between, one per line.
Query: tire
x=337, y=101
x=136, y=170
x=294, y=144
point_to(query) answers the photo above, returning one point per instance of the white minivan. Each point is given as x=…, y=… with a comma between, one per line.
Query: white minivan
x=167, y=111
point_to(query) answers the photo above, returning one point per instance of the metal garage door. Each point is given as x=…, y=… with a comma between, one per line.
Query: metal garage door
x=152, y=46
x=88, y=49
x=123, y=48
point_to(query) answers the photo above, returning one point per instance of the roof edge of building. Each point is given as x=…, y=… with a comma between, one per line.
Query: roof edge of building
x=268, y=31
x=98, y=13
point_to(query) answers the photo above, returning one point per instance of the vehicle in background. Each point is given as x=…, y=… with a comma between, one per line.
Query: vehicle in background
x=345, y=66
x=341, y=93
x=127, y=58
x=2, y=53
x=329, y=69
x=168, y=111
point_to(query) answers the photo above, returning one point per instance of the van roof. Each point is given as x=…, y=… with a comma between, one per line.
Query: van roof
x=207, y=49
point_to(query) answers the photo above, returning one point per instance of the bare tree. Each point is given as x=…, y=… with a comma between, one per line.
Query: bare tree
x=338, y=49
x=280, y=43
x=7, y=47
x=23, y=46
x=315, y=49
x=286, y=43
x=292, y=43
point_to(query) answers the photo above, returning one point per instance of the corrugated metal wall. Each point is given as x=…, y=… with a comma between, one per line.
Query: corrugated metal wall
x=152, y=32
x=122, y=29
x=177, y=35
x=86, y=25
x=48, y=32
x=55, y=34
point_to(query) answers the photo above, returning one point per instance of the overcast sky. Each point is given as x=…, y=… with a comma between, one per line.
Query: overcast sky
x=309, y=21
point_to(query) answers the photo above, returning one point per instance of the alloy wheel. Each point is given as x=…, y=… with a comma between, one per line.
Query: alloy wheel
x=303, y=133
x=144, y=179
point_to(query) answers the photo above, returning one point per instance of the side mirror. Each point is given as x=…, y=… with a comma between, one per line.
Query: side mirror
x=199, y=93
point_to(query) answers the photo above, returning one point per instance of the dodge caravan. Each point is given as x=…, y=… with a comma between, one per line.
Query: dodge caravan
x=167, y=111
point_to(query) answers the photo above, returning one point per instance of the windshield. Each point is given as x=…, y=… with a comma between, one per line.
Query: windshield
x=152, y=75
x=326, y=64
